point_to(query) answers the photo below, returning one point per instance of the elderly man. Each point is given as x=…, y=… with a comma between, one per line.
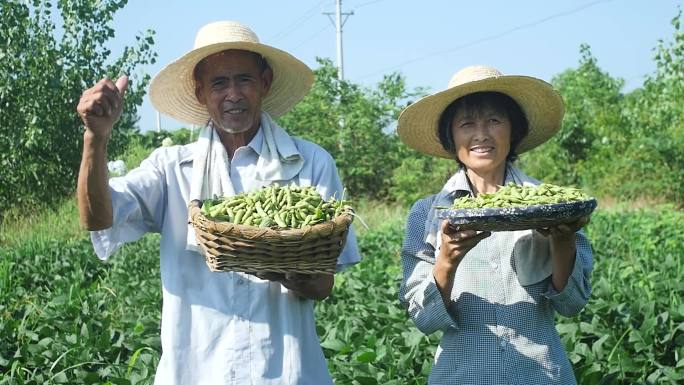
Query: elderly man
x=217, y=328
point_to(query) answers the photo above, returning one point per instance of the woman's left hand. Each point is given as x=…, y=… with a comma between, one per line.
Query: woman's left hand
x=563, y=250
x=564, y=231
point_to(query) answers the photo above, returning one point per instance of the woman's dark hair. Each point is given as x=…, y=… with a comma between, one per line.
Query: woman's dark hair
x=478, y=101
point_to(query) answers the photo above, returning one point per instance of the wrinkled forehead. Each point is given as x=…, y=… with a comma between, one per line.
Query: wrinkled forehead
x=230, y=55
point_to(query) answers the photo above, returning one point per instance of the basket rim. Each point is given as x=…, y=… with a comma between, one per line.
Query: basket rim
x=197, y=218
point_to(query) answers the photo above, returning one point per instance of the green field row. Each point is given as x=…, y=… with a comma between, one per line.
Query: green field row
x=66, y=317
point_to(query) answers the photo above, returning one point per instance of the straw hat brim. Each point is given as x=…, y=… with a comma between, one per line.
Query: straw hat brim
x=542, y=105
x=172, y=91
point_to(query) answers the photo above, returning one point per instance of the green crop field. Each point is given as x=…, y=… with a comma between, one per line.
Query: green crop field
x=66, y=317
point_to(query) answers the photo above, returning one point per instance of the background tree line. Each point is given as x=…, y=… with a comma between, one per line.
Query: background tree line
x=43, y=71
x=614, y=144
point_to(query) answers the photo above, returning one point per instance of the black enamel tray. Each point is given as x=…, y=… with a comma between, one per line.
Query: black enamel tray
x=518, y=218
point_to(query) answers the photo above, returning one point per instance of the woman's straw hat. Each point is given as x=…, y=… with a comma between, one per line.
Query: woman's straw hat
x=172, y=91
x=542, y=105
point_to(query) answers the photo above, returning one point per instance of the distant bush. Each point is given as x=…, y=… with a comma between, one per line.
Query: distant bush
x=418, y=176
x=355, y=125
x=630, y=145
x=42, y=75
x=141, y=145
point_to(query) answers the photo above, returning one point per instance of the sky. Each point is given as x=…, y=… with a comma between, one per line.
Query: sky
x=427, y=41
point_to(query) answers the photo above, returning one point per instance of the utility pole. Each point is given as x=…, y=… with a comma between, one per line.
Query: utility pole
x=158, y=122
x=339, y=22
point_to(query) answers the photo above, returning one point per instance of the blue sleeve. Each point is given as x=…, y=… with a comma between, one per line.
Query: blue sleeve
x=137, y=206
x=572, y=299
x=418, y=291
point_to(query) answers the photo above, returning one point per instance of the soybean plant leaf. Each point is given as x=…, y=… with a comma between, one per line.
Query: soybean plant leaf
x=139, y=328
x=567, y=328
x=333, y=344
x=364, y=380
x=653, y=377
x=367, y=356
x=45, y=341
x=608, y=379
x=597, y=347
x=60, y=378
x=71, y=338
x=413, y=337
x=85, y=334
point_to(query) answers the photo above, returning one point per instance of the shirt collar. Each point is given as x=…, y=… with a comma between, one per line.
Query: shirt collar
x=458, y=185
x=256, y=144
x=257, y=141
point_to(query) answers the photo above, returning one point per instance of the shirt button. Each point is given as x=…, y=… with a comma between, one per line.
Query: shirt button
x=503, y=344
x=240, y=281
x=493, y=264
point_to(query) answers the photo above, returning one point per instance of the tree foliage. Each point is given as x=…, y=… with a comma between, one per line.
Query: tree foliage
x=625, y=145
x=628, y=146
x=353, y=124
x=44, y=68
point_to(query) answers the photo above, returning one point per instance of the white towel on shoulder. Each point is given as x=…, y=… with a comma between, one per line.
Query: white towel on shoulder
x=280, y=158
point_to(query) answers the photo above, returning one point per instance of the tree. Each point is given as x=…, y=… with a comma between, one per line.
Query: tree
x=626, y=146
x=656, y=116
x=592, y=119
x=354, y=124
x=41, y=80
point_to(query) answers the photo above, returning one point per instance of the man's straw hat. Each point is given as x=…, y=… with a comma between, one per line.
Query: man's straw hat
x=172, y=91
x=542, y=105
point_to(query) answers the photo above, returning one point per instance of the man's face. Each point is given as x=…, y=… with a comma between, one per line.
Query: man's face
x=232, y=84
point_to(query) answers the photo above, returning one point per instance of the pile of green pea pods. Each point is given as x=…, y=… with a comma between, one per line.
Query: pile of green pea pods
x=275, y=207
x=513, y=195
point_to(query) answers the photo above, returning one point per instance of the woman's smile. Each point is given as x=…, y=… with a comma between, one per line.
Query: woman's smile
x=482, y=149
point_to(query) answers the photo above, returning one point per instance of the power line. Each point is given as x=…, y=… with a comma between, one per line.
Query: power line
x=488, y=38
x=327, y=26
x=298, y=22
x=366, y=3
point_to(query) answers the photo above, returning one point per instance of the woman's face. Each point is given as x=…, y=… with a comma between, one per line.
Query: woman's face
x=482, y=138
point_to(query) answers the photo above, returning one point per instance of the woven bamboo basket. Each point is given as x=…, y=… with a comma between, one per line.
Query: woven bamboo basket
x=232, y=247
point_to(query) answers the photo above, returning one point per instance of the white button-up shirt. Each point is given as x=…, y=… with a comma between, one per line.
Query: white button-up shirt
x=228, y=327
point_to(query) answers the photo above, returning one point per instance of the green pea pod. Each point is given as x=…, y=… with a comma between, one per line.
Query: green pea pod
x=260, y=210
x=279, y=220
x=288, y=197
x=238, y=216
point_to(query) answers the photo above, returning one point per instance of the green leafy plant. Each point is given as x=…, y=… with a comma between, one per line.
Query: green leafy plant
x=355, y=125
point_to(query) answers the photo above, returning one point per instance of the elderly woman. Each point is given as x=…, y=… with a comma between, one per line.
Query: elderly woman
x=493, y=294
